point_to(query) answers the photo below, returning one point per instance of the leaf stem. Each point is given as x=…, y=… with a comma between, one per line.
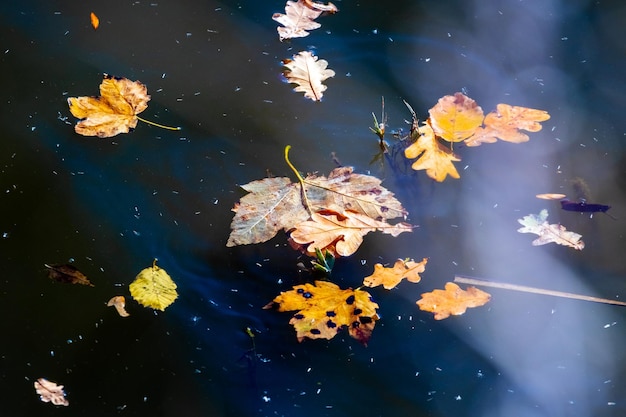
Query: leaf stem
x=300, y=179
x=157, y=124
x=522, y=288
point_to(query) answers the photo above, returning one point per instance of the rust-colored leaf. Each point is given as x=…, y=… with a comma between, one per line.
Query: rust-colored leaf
x=549, y=233
x=273, y=204
x=432, y=156
x=455, y=118
x=308, y=73
x=340, y=232
x=506, y=124
x=391, y=277
x=95, y=22
x=323, y=309
x=119, y=302
x=452, y=301
x=114, y=112
x=50, y=392
x=67, y=274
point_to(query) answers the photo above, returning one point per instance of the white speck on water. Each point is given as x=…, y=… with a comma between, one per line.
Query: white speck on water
x=363, y=261
x=417, y=373
x=163, y=75
x=375, y=31
x=611, y=403
x=318, y=391
x=5, y=235
x=266, y=398
x=458, y=398
x=427, y=59
x=52, y=353
x=564, y=38
x=308, y=370
x=606, y=326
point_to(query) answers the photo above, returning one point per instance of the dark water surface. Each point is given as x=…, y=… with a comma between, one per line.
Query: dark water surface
x=213, y=68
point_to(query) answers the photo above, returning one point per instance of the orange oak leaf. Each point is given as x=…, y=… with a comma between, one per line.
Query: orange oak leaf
x=549, y=233
x=340, y=232
x=50, y=392
x=114, y=112
x=308, y=73
x=119, y=302
x=323, y=309
x=67, y=274
x=455, y=118
x=505, y=124
x=273, y=204
x=432, y=156
x=391, y=277
x=453, y=300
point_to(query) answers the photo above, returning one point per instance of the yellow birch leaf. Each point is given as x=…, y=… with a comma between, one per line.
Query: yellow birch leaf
x=452, y=301
x=455, y=118
x=391, y=277
x=154, y=288
x=432, y=156
x=324, y=308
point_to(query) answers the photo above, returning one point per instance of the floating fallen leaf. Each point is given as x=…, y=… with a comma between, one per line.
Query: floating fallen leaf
x=115, y=111
x=95, y=22
x=297, y=20
x=453, y=300
x=329, y=8
x=276, y=203
x=432, y=156
x=505, y=124
x=308, y=73
x=549, y=233
x=67, y=274
x=154, y=288
x=550, y=196
x=340, y=232
x=391, y=277
x=119, y=302
x=324, y=308
x=455, y=118
x=50, y=392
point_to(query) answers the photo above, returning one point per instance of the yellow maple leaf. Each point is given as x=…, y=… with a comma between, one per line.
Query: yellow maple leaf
x=432, y=156
x=324, y=308
x=455, y=118
x=154, y=288
x=505, y=124
x=453, y=300
x=391, y=277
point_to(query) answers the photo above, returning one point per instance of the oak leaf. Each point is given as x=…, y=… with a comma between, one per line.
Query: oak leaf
x=273, y=204
x=153, y=287
x=432, y=156
x=297, y=20
x=505, y=124
x=50, y=392
x=455, y=118
x=391, y=277
x=119, y=302
x=308, y=73
x=453, y=300
x=323, y=309
x=549, y=233
x=114, y=112
x=340, y=232
x=67, y=274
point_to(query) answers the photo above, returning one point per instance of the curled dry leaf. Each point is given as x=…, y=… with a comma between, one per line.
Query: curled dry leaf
x=391, y=277
x=549, y=233
x=67, y=274
x=273, y=204
x=308, y=73
x=153, y=287
x=50, y=392
x=324, y=308
x=119, y=302
x=452, y=301
x=432, y=156
x=340, y=232
x=114, y=112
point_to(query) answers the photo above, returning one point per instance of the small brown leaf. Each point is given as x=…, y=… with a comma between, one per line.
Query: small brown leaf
x=67, y=274
x=50, y=392
x=119, y=302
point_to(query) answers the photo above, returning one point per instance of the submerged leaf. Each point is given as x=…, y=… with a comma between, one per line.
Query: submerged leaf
x=154, y=288
x=308, y=73
x=391, y=277
x=67, y=274
x=549, y=233
x=324, y=308
x=114, y=112
x=453, y=300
